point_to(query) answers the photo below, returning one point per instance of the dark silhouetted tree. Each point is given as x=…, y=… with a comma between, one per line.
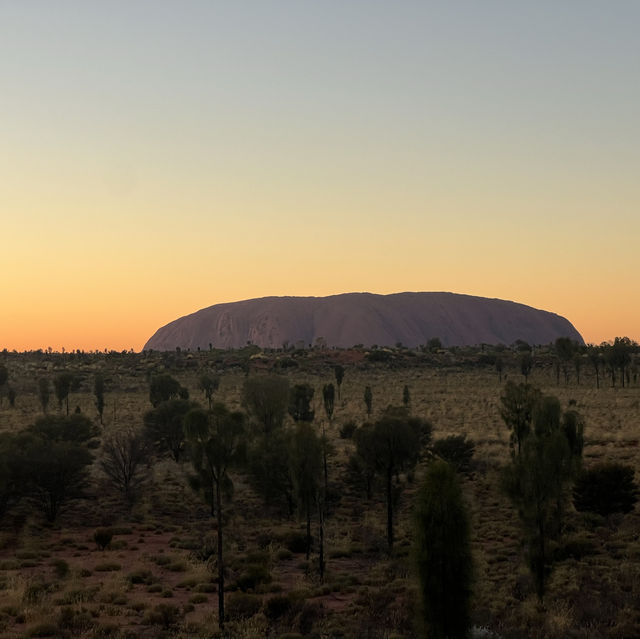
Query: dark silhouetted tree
x=300, y=398
x=266, y=399
x=125, y=457
x=565, y=349
x=368, y=400
x=396, y=442
x=164, y=426
x=209, y=384
x=338, y=372
x=57, y=459
x=62, y=387
x=4, y=376
x=162, y=388
x=526, y=364
x=216, y=444
x=538, y=480
x=43, y=393
x=442, y=554
x=518, y=401
x=406, y=397
x=306, y=471
x=13, y=470
x=594, y=354
x=98, y=391
x=456, y=450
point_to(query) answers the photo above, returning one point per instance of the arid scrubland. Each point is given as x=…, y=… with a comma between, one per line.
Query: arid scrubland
x=157, y=576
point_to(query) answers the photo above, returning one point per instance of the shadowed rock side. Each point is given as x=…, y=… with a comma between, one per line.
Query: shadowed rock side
x=363, y=318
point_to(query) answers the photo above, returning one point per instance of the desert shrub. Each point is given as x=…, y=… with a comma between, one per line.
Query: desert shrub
x=162, y=560
x=44, y=630
x=252, y=576
x=108, y=566
x=60, y=567
x=310, y=614
x=378, y=356
x=276, y=607
x=296, y=542
x=75, y=620
x=457, y=450
x=605, y=489
x=206, y=587
x=575, y=547
x=242, y=606
x=103, y=537
x=198, y=599
x=347, y=430
x=165, y=615
x=35, y=592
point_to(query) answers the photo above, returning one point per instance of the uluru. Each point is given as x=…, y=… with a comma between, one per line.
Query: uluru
x=363, y=318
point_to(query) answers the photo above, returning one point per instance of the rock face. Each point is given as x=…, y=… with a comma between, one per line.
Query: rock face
x=363, y=318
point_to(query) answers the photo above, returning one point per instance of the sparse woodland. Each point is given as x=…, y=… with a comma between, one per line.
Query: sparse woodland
x=377, y=493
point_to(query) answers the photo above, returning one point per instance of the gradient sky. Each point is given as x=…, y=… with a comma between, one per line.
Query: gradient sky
x=159, y=157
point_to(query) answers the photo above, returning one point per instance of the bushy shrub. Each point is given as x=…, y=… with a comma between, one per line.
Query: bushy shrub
x=276, y=607
x=165, y=615
x=103, y=537
x=605, y=489
x=347, y=430
x=242, y=606
x=296, y=542
x=252, y=576
x=457, y=450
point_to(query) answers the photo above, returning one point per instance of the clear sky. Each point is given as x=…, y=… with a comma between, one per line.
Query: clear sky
x=158, y=157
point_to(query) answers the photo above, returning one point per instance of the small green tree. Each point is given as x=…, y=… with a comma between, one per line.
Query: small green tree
x=266, y=399
x=442, y=554
x=456, y=450
x=57, y=460
x=594, y=355
x=518, y=401
x=300, y=403
x=43, y=393
x=98, y=391
x=406, y=397
x=164, y=426
x=526, y=365
x=306, y=471
x=328, y=396
x=396, y=442
x=75, y=428
x=538, y=480
x=125, y=457
x=338, y=372
x=162, y=388
x=216, y=442
x=209, y=384
x=62, y=387
x=4, y=376
x=368, y=400
x=565, y=349
x=13, y=470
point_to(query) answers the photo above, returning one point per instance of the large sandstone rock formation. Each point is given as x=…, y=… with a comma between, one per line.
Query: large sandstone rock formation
x=363, y=318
